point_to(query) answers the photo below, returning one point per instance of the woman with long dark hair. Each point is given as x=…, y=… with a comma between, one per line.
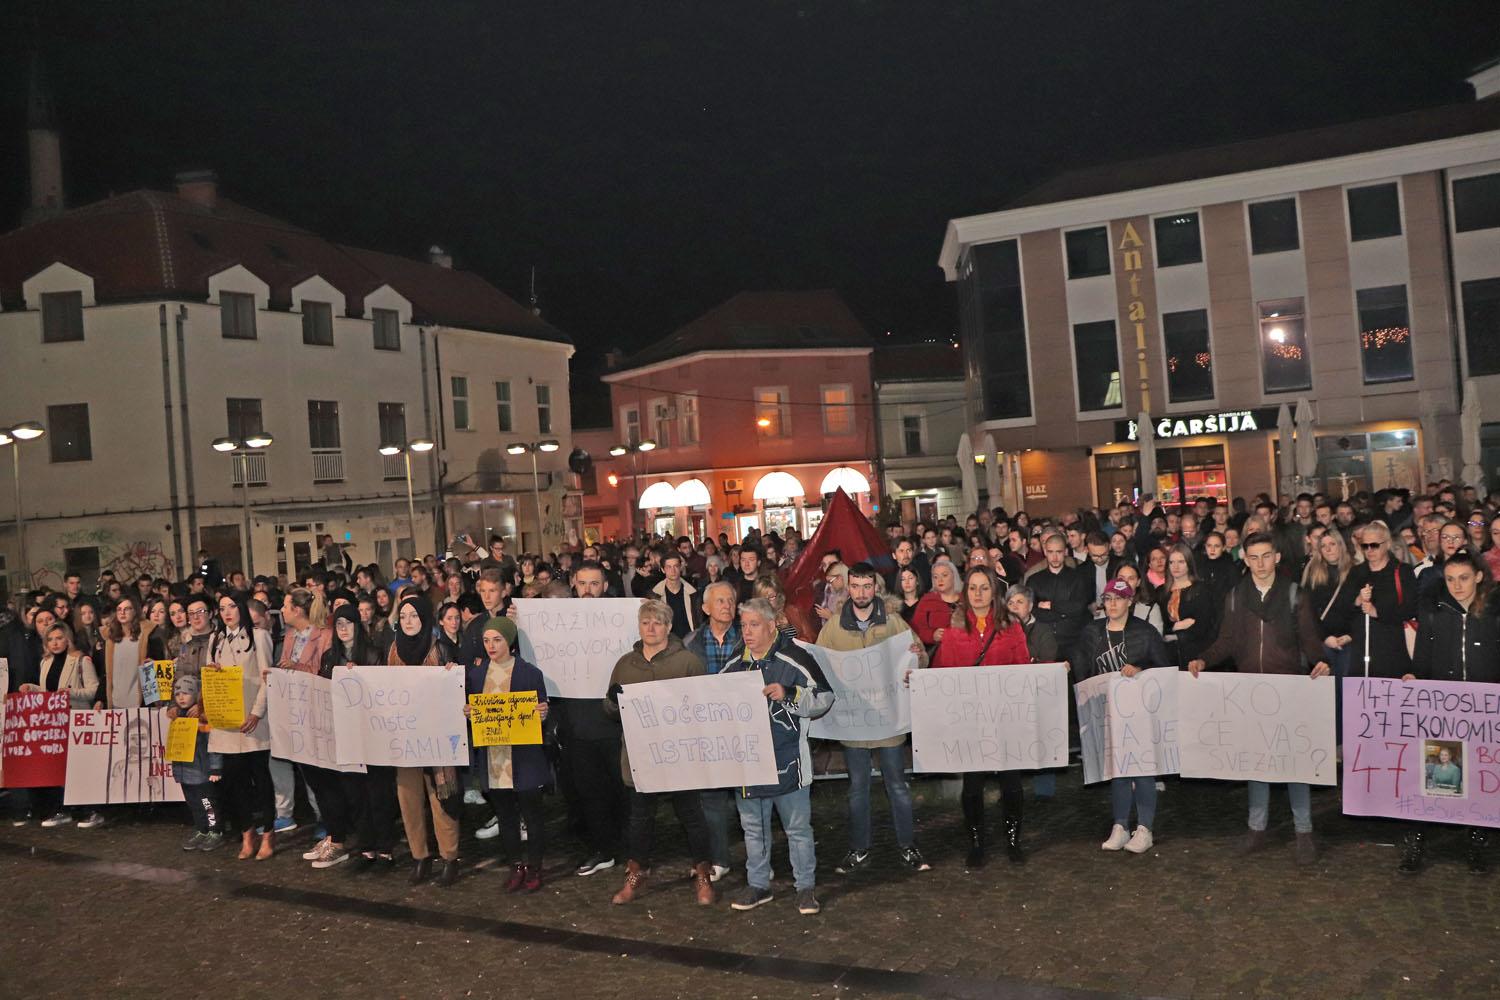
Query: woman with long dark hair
x=128, y=642
x=246, y=750
x=1187, y=608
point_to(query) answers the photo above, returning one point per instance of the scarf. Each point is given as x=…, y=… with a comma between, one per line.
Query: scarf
x=413, y=649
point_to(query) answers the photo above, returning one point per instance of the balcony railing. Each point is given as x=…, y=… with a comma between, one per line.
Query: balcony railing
x=328, y=465
x=394, y=466
x=253, y=463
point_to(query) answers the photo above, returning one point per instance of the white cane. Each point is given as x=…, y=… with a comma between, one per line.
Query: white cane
x=1367, y=644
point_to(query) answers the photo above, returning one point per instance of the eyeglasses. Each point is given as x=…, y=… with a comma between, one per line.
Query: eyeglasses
x=1369, y=546
x=198, y=613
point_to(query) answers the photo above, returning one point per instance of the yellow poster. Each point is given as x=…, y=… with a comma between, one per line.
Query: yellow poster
x=182, y=740
x=162, y=671
x=503, y=719
x=224, y=696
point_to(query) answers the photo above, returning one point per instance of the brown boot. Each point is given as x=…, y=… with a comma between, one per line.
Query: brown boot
x=247, y=846
x=703, y=886
x=267, y=846
x=635, y=880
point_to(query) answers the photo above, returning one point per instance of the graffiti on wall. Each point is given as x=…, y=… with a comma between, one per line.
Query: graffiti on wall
x=125, y=558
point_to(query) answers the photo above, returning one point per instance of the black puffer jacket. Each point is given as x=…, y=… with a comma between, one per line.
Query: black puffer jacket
x=1455, y=645
x=1100, y=651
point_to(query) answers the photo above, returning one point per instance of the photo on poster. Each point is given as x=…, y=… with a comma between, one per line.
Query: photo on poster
x=1443, y=770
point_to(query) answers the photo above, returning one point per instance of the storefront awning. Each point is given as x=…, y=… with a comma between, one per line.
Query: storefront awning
x=693, y=493
x=778, y=486
x=850, y=480
x=662, y=494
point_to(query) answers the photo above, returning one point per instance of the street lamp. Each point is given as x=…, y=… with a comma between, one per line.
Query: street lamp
x=26, y=430
x=258, y=441
x=421, y=446
x=634, y=451
x=531, y=448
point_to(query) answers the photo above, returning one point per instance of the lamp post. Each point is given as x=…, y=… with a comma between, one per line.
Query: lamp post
x=421, y=446
x=634, y=451
x=240, y=450
x=531, y=448
x=26, y=430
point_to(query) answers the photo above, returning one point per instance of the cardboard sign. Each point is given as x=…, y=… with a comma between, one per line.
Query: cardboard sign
x=299, y=712
x=182, y=740
x=989, y=718
x=576, y=643
x=156, y=681
x=505, y=719
x=1257, y=727
x=35, y=739
x=712, y=731
x=1422, y=750
x=118, y=755
x=1128, y=725
x=872, y=702
x=224, y=697
x=400, y=716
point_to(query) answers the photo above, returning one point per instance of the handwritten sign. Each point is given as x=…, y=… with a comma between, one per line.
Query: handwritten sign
x=1422, y=750
x=872, y=700
x=399, y=716
x=156, y=681
x=576, y=643
x=502, y=718
x=989, y=718
x=712, y=731
x=1257, y=727
x=35, y=739
x=224, y=697
x=1128, y=725
x=182, y=740
x=118, y=755
x=299, y=711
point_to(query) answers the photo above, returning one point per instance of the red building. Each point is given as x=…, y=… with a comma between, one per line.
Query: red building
x=745, y=417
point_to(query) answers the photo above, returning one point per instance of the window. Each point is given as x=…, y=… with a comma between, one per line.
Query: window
x=62, y=317
x=323, y=423
x=237, y=315
x=992, y=316
x=1481, y=307
x=838, y=409
x=460, y=387
x=1177, y=240
x=1283, y=344
x=661, y=422
x=1088, y=252
x=392, y=424
x=68, y=433
x=544, y=409
x=1096, y=358
x=1374, y=212
x=630, y=419
x=317, y=323
x=911, y=434
x=773, y=416
x=687, y=413
x=1476, y=204
x=1273, y=226
x=1384, y=334
x=244, y=418
x=85, y=562
x=387, y=330
x=502, y=405
x=1190, y=366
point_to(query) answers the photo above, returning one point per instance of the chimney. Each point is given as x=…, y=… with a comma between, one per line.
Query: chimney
x=1486, y=80
x=44, y=148
x=201, y=187
x=439, y=257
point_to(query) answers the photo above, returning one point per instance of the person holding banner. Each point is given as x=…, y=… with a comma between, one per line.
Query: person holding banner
x=1263, y=629
x=1186, y=607
x=935, y=610
x=128, y=642
x=369, y=799
x=200, y=777
x=245, y=751
x=865, y=621
x=658, y=656
x=716, y=642
x=1122, y=643
x=1377, y=603
x=63, y=667
x=983, y=634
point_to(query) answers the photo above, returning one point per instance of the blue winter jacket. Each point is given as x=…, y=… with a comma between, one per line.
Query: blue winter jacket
x=808, y=697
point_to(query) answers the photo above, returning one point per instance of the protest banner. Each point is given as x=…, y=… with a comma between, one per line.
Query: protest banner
x=299, y=710
x=576, y=644
x=156, y=681
x=118, y=755
x=400, y=716
x=989, y=718
x=182, y=740
x=1257, y=727
x=223, y=696
x=1427, y=751
x=35, y=739
x=502, y=718
x=871, y=702
x=712, y=731
x=1128, y=725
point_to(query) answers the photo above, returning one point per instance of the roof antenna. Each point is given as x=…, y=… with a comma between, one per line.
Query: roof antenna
x=535, y=310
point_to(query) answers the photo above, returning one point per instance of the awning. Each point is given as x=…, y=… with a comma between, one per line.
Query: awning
x=847, y=479
x=778, y=486
x=693, y=493
x=662, y=494
x=924, y=483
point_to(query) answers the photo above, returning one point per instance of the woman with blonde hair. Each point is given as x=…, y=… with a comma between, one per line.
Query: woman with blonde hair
x=836, y=576
x=63, y=667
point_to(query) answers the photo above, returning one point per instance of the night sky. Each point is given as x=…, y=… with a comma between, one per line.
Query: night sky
x=652, y=159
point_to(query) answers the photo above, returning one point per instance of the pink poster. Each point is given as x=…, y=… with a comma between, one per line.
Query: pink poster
x=1427, y=751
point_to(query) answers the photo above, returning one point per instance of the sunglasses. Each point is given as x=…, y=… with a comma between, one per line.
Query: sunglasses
x=1368, y=546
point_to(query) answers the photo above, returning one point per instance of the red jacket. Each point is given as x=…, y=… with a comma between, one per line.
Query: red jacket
x=960, y=646
x=932, y=613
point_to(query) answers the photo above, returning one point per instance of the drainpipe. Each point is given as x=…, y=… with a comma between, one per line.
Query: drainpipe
x=187, y=434
x=166, y=391
x=1450, y=280
x=438, y=528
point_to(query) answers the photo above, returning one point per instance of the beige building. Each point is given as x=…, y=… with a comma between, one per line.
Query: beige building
x=1356, y=267
x=920, y=403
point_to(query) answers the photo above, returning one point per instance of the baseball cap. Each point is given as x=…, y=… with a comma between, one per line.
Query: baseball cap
x=1118, y=588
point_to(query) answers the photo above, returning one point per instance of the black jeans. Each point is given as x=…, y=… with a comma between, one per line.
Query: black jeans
x=689, y=808
x=373, y=798
x=336, y=808
x=595, y=772
x=511, y=807
x=972, y=797
x=248, y=796
x=203, y=805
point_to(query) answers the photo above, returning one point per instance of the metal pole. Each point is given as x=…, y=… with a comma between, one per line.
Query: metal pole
x=635, y=486
x=411, y=504
x=15, y=459
x=245, y=495
x=536, y=492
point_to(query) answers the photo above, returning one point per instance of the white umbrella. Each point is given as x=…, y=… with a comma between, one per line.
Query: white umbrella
x=966, y=473
x=1146, y=438
x=1307, y=443
x=1469, y=420
x=1288, y=456
x=991, y=469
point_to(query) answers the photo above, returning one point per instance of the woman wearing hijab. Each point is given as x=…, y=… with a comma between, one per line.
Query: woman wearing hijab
x=420, y=790
x=246, y=751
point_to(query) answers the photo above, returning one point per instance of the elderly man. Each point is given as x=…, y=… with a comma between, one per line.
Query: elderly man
x=716, y=642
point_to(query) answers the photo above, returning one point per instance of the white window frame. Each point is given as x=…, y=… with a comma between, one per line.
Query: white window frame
x=921, y=419
x=828, y=408
x=782, y=407
x=544, y=407
x=630, y=423
x=688, y=427
x=661, y=423
x=1400, y=209
x=506, y=406
x=453, y=400
x=1296, y=200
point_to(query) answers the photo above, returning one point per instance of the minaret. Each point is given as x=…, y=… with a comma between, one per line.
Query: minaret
x=44, y=147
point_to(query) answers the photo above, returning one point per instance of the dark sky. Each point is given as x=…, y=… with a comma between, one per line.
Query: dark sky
x=650, y=159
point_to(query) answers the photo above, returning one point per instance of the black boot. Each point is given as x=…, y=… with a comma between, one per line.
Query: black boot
x=422, y=872
x=1013, y=842
x=974, y=822
x=449, y=874
x=1478, y=841
x=1411, y=853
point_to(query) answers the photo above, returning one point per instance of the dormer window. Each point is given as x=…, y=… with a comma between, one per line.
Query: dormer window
x=62, y=317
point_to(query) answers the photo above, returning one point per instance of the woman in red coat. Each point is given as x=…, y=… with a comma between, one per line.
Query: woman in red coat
x=934, y=611
x=983, y=634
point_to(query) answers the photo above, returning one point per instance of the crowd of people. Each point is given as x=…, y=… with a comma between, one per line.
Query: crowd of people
x=1389, y=585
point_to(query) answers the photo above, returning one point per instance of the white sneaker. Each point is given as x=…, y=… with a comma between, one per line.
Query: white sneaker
x=523, y=831
x=318, y=850
x=331, y=856
x=91, y=821
x=1140, y=841
x=1118, y=837
x=473, y=797
x=490, y=830
x=57, y=819
x=717, y=872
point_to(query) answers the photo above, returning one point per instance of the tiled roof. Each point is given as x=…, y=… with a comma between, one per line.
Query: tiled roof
x=150, y=245
x=918, y=363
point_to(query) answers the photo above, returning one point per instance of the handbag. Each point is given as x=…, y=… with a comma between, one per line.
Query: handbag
x=1410, y=625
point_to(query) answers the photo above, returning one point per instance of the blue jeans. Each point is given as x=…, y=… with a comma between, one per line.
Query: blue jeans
x=892, y=761
x=718, y=804
x=1141, y=792
x=1260, y=805
x=795, y=810
x=1044, y=785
